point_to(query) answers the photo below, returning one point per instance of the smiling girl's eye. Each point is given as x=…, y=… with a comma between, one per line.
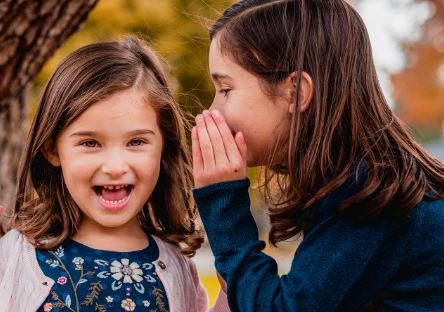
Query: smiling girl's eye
x=137, y=142
x=89, y=144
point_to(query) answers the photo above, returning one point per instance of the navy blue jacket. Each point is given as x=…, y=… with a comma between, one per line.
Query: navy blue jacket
x=392, y=264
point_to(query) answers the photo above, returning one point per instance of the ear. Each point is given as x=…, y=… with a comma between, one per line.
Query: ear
x=49, y=150
x=305, y=92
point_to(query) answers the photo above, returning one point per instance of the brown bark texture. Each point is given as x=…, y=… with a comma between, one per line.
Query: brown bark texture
x=30, y=32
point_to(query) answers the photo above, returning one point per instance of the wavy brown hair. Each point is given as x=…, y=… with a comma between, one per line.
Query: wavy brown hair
x=347, y=123
x=44, y=209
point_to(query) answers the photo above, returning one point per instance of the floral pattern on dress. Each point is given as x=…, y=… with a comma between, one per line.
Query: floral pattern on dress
x=118, y=276
x=124, y=272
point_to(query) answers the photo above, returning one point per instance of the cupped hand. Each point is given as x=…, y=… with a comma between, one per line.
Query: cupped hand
x=218, y=156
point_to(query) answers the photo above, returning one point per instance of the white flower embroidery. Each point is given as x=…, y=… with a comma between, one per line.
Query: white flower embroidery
x=78, y=261
x=127, y=271
x=146, y=303
x=128, y=305
x=109, y=299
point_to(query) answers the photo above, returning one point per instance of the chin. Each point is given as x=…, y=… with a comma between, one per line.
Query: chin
x=112, y=224
x=252, y=163
x=255, y=161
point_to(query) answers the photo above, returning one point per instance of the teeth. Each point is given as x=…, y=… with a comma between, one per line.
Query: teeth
x=113, y=202
x=112, y=187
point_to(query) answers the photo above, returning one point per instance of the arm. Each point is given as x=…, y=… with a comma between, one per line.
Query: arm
x=339, y=265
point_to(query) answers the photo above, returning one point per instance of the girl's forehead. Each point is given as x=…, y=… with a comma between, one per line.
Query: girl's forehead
x=126, y=109
x=220, y=62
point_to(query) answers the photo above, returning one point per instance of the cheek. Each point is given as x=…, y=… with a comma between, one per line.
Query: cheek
x=77, y=170
x=148, y=167
x=239, y=120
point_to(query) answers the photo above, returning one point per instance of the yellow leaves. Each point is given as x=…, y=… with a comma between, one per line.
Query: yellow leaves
x=177, y=29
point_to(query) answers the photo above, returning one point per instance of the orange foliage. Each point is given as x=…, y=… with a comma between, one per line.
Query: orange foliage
x=419, y=89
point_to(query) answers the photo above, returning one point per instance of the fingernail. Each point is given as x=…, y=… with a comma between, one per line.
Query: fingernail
x=216, y=114
x=206, y=113
x=199, y=118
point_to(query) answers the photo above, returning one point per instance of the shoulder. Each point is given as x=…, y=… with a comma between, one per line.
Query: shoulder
x=10, y=239
x=14, y=240
x=169, y=253
x=427, y=220
x=429, y=214
x=10, y=242
x=165, y=246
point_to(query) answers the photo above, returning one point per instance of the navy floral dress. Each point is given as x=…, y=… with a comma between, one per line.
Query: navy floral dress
x=88, y=279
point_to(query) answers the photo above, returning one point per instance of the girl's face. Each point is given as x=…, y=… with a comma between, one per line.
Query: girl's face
x=245, y=106
x=110, y=158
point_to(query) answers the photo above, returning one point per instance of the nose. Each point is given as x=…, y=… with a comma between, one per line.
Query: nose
x=115, y=165
x=213, y=105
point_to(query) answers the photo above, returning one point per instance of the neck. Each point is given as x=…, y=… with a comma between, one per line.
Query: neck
x=126, y=238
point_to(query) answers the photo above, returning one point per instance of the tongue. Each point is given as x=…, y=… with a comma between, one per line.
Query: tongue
x=114, y=194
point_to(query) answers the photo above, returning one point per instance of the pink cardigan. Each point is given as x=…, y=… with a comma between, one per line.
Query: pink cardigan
x=24, y=287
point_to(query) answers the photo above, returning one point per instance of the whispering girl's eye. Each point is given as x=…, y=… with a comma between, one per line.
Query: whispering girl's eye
x=137, y=142
x=225, y=92
x=90, y=144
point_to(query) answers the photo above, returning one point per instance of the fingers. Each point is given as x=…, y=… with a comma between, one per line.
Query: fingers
x=227, y=137
x=206, y=147
x=197, y=155
x=217, y=155
x=220, y=155
x=242, y=146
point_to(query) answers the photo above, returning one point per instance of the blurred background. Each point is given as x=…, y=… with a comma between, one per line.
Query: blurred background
x=408, y=45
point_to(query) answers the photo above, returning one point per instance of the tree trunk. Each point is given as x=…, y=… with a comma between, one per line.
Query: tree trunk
x=30, y=32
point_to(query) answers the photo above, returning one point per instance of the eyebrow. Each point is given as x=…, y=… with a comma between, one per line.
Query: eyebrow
x=218, y=76
x=130, y=133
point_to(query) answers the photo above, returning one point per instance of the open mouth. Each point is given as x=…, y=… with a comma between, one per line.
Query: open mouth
x=113, y=195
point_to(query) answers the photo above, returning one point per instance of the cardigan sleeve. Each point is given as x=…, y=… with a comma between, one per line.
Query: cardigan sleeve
x=2, y=256
x=221, y=304
x=339, y=265
x=8, y=243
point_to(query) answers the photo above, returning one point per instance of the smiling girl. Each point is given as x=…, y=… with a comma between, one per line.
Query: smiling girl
x=104, y=218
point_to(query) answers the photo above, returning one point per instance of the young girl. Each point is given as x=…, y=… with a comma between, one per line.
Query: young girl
x=104, y=218
x=296, y=84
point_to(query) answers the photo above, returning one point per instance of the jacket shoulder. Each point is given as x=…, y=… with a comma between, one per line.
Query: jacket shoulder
x=427, y=221
x=8, y=242
x=10, y=239
x=430, y=214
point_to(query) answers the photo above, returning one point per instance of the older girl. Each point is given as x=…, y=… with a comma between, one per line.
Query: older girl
x=296, y=86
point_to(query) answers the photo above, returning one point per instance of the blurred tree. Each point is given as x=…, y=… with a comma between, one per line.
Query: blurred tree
x=419, y=89
x=30, y=32
x=177, y=29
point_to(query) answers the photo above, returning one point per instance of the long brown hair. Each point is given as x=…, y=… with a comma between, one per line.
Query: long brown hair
x=348, y=121
x=44, y=209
